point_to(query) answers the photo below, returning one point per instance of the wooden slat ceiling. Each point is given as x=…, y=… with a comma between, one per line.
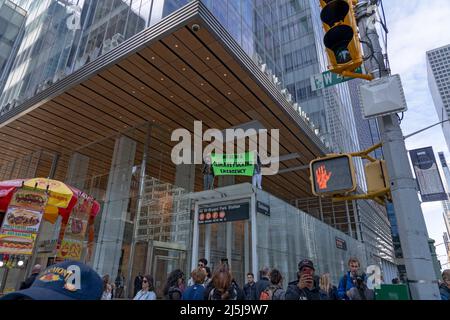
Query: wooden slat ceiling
x=172, y=82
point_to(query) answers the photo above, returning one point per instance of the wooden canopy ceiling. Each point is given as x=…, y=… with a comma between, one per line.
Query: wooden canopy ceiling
x=171, y=82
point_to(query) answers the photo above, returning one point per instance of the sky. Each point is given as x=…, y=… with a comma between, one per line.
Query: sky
x=415, y=27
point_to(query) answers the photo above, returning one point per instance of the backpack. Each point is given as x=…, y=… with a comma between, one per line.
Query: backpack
x=268, y=293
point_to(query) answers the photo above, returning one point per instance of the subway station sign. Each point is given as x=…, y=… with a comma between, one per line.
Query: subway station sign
x=223, y=213
x=240, y=164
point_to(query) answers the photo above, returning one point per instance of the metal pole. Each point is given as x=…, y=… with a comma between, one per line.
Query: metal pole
x=139, y=205
x=411, y=224
x=357, y=223
x=321, y=209
x=195, y=238
x=254, y=235
x=349, y=222
x=52, y=172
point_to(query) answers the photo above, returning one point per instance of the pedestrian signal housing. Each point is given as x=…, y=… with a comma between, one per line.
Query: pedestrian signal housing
x=333, y=175
x=341, y=36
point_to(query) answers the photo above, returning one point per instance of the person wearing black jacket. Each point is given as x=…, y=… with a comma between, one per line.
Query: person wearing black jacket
x=250, y=288
x=306, y=287
x=29, y=281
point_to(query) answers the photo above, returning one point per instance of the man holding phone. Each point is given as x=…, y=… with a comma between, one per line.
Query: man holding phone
x=305, y=287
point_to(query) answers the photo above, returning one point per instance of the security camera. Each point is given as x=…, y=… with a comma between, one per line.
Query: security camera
x=195, y=27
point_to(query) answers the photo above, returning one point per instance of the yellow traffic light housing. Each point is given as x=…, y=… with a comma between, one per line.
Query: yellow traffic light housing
x=332, y=175
x=341, y=37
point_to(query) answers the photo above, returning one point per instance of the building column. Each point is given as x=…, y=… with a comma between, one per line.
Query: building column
x=112, y=225
x=77, y=171
x=185, y=176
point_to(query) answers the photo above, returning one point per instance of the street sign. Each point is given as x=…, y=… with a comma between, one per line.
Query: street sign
x=327, y=79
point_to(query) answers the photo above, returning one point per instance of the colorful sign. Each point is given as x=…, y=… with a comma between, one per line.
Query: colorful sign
x=223, y=213
x=70, y=249
x=73, y=232
x=241, y=164
x=21, y=222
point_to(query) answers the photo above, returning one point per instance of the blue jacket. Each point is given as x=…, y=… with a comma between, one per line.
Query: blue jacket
x=195, y=292
x=445, y=292
x=344, y=287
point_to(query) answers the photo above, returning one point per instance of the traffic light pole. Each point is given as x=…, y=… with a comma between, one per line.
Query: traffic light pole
x=411, y=223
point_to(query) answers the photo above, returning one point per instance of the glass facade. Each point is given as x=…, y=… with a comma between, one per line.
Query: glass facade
x=12, y=18
x=284, y=35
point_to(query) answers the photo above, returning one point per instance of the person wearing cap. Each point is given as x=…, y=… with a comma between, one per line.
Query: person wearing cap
x=29, y=281
x=305, y=288
x=68, y=280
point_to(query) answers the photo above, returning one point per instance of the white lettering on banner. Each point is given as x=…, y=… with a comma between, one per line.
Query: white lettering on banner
x=75, y=277
x=258, y=142
x=73, y=21
x=328, y=78
x=374, y=277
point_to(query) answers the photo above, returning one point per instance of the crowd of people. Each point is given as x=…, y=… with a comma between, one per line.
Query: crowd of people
x=56, y=283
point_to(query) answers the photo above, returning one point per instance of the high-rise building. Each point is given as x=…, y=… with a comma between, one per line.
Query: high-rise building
x=88, y=75
x=12, y=18
x=438, y=65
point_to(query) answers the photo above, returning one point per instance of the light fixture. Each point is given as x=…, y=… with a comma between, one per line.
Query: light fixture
x=207, y=58
x=133, y=91
x=229, y=93
x=20, y=263
x=153, y=58
x=162, y=79
x=225, y=75
x=176, y=46
x=184, y=69
x=202, y=84
x=2, y=264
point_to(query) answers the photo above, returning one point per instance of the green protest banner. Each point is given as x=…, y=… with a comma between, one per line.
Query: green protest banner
x=240, y=164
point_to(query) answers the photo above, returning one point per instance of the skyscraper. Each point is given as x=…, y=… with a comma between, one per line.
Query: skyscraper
x=438, y=65
x=12, y=18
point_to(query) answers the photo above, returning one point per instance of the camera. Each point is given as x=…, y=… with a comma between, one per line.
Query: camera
x=195, y=27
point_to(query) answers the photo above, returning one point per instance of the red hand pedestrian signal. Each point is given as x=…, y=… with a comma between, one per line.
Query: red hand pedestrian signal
x=322, y=177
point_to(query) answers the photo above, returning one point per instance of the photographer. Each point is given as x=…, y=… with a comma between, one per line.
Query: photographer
x=347, y=282
x=360, y=291
x=306, y=287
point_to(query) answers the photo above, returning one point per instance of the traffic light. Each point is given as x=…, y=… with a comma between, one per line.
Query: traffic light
x=341, y=37
x=376, y=176
x=333, y=175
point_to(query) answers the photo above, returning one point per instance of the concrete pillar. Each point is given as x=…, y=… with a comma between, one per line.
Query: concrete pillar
x=112, y=225
x=185, y=177
x=77, y=171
